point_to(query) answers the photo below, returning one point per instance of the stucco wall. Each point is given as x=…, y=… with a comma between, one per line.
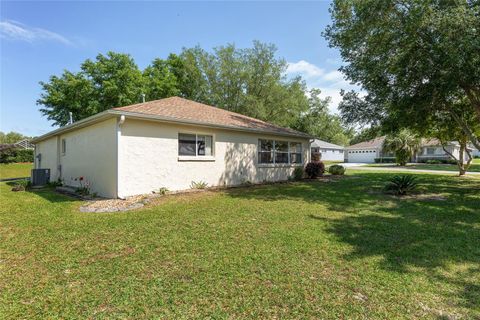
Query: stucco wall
x=91, y=153
x=49, y=156
x=148, y=158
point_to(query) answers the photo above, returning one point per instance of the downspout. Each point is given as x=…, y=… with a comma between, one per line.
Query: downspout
x=120, y=122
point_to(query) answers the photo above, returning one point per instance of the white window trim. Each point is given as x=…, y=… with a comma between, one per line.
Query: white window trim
x=197, y=157
x=279, y=165
x=63, y=146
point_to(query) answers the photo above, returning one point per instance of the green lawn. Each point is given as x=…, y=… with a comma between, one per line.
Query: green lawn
x=15, y=170
x=330, y=250
x=474, y=167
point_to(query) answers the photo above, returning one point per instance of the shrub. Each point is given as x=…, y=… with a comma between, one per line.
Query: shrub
x=21, y=185
x=10, y=153
x=298, y=173
x=314, y=169
x=337, y=169
x=385, y=160
x=432, y=161
x=198, y=185
x=401, y=185
x=163, y=191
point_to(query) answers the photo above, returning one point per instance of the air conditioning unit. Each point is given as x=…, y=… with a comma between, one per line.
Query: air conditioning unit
x=40, y=177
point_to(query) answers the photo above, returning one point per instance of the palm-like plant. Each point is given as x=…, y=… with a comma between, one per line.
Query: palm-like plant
x=403, y=144
x=401, y=185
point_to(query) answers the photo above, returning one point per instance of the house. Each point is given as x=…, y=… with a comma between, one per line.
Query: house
x=24, y=144
x=328, y=151
x=169, y=143
x=430, y=149
x=367, y=151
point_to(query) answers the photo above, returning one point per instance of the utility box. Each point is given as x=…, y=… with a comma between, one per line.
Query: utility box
x=40, y=177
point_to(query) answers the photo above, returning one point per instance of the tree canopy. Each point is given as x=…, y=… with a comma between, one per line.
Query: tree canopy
x=413, y=58
x=11, y=137
x=251, y=81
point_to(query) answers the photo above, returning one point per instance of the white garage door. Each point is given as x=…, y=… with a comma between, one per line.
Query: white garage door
x=362, y=156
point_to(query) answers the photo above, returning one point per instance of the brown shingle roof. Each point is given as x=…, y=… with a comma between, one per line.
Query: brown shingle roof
x=183, y=110
x=374, y=143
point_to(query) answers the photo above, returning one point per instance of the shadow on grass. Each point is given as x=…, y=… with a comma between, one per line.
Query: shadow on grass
x=411, y=235
x=48, y=193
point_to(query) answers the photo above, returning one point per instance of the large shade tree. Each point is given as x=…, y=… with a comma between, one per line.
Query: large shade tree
x=413, y=58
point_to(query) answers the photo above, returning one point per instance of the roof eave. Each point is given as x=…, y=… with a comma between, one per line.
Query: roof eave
x=76, y=125
x=144, y=116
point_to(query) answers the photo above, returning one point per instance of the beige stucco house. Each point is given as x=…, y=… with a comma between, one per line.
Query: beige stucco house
x=169, y=143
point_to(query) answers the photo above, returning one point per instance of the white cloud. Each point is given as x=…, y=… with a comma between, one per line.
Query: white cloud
x=330, y=82
x=17, y=31
x=304, y=68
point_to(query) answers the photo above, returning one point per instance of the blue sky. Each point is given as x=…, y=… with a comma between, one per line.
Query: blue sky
x=39, y=39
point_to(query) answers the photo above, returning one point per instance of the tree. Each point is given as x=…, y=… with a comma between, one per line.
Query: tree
x=411, y=57
x=110, y=81
x=366, y=134
x=320, y=123
x=11, y=137
x=438, y=125
x=403, y=144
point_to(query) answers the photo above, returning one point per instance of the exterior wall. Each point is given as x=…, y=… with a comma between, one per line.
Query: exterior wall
x=47, y=150
x=439, y=152
x=330, y=154
x=148, y=158
x=91, y=152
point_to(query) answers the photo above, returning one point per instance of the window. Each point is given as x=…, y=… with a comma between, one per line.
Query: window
x=195, y=145
x=282, y=152
x=64, y=146
x=295, y=152
x=430, y=151
x=265, y=155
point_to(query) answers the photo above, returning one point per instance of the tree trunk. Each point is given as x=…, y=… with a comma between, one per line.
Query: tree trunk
x=460, y=162
x=466, y=129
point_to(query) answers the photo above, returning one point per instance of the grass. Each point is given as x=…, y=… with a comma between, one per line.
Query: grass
x=15, y=170
x=474, y=167
x=330, y=250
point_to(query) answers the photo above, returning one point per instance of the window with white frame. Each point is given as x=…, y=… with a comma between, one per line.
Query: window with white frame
x=195, y=145
x=277, y=151
x=430, y=151
x=64, y=146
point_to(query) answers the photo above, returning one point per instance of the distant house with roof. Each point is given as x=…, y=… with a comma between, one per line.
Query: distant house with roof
x=367, y=151
x=169, y=143
x=430, y=149
x=327, y=150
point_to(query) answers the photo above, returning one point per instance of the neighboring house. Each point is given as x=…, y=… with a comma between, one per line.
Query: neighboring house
x=328, y=151
x=475, y=152
x=169, y=143
x=430, y=149
x=366, y=152
x=24, y=144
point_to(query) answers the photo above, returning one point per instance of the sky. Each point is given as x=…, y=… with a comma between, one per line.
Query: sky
x=39, y=39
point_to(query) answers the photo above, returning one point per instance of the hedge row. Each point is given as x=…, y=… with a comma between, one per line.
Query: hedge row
x=11, y=154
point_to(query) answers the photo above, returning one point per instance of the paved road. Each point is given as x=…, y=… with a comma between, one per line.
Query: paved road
x=390, y=169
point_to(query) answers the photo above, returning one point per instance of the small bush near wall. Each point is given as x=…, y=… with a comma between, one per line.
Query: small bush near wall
x=298, y=173
x=385, y=160
x=314, y=169
x=9, y=154
x=437, y=161
x=337, y=170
